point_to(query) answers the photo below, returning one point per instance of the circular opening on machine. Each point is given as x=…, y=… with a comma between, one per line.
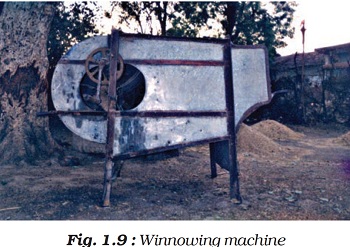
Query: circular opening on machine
x=130, y=90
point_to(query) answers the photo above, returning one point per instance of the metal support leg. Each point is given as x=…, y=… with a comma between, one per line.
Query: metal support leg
x=107, y=185
x=234, y=173
x=223, y=154
x=111, y=118
x=213, y=169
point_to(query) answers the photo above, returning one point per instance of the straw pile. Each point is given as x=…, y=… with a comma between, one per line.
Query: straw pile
x=262, y=138
x=343, y=139
x=276, y=130
x=250, y=140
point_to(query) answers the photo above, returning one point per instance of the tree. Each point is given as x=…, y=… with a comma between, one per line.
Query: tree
x=188, y=19
x=24, y=30
x=70, y=24
x=158, y=18
x=149, y=17
x=246, y=23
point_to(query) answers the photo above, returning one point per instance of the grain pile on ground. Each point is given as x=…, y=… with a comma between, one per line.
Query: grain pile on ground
x=276, y=130
x=249, y=140
x=343, y=139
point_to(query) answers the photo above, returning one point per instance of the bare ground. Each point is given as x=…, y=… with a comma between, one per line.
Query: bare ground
x=304, y=175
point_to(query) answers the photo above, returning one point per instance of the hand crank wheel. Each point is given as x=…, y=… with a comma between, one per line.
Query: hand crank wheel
x=97, y=65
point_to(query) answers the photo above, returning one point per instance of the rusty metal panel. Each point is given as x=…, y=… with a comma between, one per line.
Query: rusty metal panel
x=66, y=97
x=141, y=48
x=82, y=50
x=183, y=88
x=250, y=80
x=168, y=88
x=140, y=134
x=178, y=87
x=190, y=91
x=173, y=86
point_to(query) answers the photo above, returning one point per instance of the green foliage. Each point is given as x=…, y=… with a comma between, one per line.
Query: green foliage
x=150, y=17
x=256, y=25
x=246, y=23
x=188, y=19
x=70, y=25
x=161, y=18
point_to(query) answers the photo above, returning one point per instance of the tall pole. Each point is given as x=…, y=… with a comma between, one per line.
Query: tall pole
x=303, y=29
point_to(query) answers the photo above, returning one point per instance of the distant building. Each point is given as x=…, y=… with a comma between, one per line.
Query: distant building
x=322, y=95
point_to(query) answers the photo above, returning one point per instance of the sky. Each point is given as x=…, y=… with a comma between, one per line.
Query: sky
x=325, y=22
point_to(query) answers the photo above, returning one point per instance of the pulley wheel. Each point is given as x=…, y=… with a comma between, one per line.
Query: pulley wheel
x=98, y=60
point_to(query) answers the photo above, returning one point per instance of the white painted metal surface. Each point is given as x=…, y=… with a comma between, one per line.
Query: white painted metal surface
x=168, y=88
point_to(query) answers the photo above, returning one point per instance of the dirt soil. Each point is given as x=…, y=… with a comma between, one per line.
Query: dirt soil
x=286, y=173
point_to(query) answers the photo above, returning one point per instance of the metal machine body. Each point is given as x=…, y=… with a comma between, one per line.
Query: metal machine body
x=144, y=94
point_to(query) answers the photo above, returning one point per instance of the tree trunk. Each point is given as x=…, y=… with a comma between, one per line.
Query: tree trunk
x=162, y=16
x=24, y=138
